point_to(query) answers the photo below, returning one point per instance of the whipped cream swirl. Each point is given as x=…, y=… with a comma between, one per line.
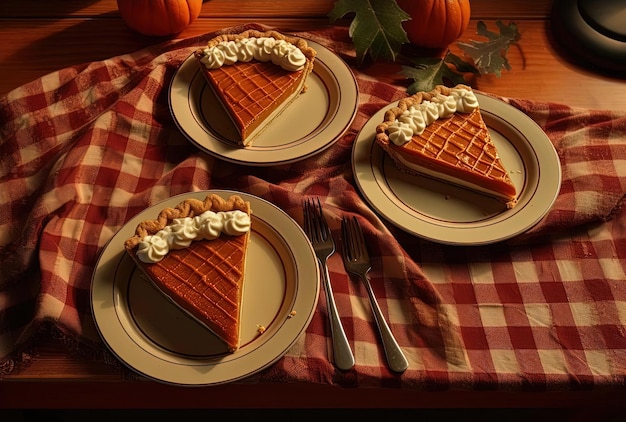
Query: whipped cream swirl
x=178, y=235
x=264, y=49
x=414, y=120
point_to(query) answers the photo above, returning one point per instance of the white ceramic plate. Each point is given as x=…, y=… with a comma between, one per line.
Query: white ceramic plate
x=312, y=123
x=158, y=340
x=447, y=214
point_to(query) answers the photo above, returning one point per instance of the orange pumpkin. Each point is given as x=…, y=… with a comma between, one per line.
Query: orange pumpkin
x=159, y=17
x=435, y=23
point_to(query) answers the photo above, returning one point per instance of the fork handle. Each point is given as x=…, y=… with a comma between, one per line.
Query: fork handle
x=395, y=358
x=342, y=354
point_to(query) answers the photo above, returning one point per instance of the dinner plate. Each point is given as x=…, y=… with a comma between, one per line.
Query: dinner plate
x=447, y=214
x=157, y=339
x=312, y=123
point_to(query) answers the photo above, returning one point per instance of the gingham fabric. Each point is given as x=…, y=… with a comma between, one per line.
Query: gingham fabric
x=85, y=148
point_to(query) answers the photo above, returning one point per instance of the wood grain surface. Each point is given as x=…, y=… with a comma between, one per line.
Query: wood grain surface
x=41, y=37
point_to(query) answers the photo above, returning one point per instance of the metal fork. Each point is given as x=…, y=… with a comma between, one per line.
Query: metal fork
x=318, y=232
x=357, y=261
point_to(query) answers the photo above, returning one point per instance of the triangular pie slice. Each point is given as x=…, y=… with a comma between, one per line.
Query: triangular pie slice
x=442, y=134
x=195, y=254
x=256, y=76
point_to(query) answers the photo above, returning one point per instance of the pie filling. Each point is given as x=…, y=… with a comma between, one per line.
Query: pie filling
x=454, y=177
x=442, y=134
x=254, y=102
x=195, y=254
x=256, y=76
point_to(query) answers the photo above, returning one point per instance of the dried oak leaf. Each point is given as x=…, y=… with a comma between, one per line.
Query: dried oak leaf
x=376, y=27
x=490, y=56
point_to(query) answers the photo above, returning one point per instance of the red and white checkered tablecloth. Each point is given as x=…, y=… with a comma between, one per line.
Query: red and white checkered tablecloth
x=85, y=148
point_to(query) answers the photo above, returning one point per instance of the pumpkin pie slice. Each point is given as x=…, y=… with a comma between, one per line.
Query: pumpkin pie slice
x=255, y=75
x=195, y=254
x=442, y=134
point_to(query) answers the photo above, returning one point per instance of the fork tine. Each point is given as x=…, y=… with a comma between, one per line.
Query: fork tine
x=320, y=221
x=346, y=233
x=307, y=219
x=354, y=239
x=310, y=220
x=360, y=238
x=314, y=221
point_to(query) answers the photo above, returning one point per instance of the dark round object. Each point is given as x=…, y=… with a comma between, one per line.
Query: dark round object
x=593, y=31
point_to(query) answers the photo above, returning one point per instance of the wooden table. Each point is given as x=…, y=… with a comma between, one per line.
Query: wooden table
x=41, y=37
